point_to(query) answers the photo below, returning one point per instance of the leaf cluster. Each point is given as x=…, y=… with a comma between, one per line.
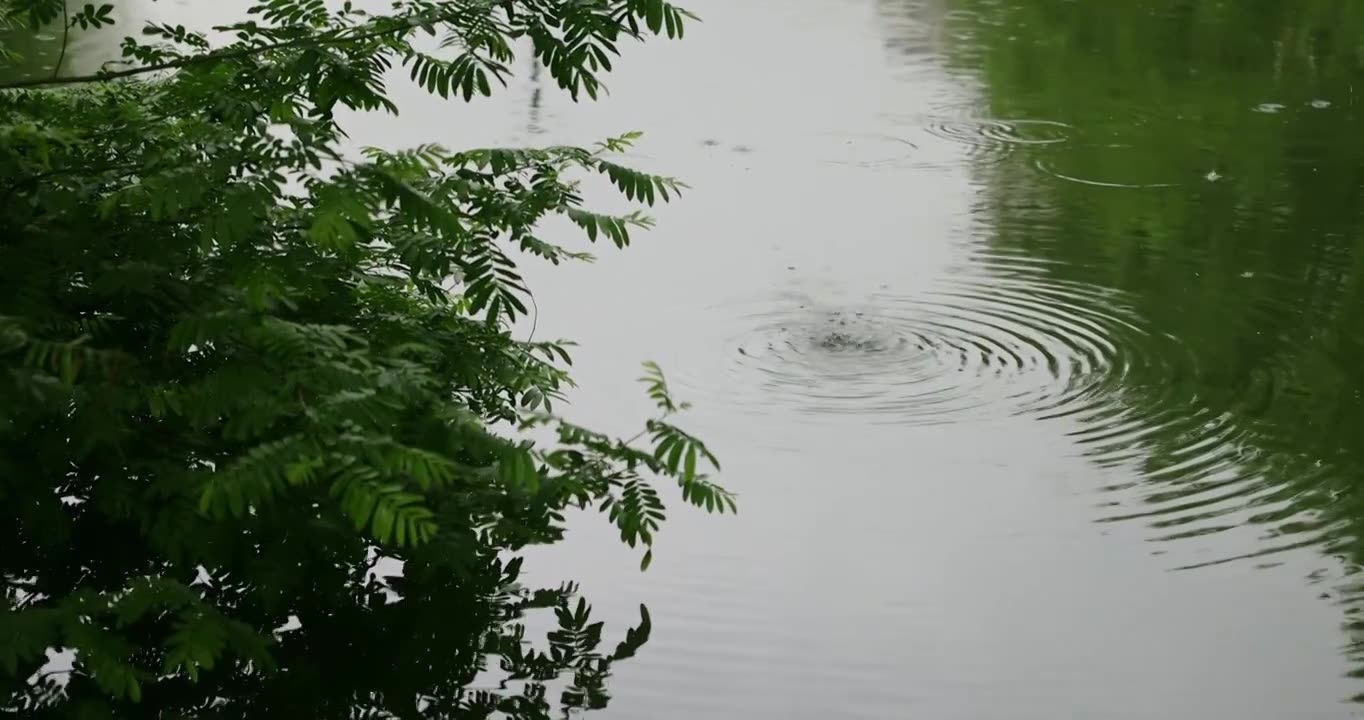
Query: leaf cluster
x=247, y=370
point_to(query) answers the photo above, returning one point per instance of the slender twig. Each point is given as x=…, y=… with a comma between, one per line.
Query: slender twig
x=66, y=37
x=534, y=319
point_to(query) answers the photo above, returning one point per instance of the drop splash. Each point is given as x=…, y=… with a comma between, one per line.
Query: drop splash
x=970, y=348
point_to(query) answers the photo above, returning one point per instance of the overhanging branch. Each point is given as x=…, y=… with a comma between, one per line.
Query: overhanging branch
x=389, y=26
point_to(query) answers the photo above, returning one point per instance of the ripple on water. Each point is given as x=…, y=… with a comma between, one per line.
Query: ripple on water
x=865, y=150
x=1110, y=166
x=973, y=348
x=993, y=139
x=1204, y=473
x=1007, y=338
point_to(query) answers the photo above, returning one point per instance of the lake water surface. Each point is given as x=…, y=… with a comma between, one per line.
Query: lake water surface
x=1028, y=332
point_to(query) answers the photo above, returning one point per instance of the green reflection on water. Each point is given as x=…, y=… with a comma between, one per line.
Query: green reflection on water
x=38, y=54
x=1213, y=171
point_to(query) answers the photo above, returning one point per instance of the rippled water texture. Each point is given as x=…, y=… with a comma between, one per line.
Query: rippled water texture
x=1028, y=334
x=1001, y=344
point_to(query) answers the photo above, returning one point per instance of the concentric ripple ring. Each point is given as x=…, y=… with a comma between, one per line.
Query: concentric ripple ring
x=973, y=347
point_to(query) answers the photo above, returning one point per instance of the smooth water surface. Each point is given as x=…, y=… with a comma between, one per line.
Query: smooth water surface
x=1028, y=332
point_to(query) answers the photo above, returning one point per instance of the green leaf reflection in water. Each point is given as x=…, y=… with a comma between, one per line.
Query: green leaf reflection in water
x=1212, y=172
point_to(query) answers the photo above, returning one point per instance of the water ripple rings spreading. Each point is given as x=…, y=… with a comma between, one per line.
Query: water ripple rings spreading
x=865, y=150
x=1009, y=340
x=986, y=137
x=1052, y=171
x=1111, y=165
x=969, y=348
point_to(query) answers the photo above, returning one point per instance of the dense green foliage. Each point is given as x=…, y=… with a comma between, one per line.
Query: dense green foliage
x=244, y=363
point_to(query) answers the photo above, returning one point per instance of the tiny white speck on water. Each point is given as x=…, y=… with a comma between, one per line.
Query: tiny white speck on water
x=1213, y=176
x=1320, y=104
x=1247, y=274
x=1268, y=108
